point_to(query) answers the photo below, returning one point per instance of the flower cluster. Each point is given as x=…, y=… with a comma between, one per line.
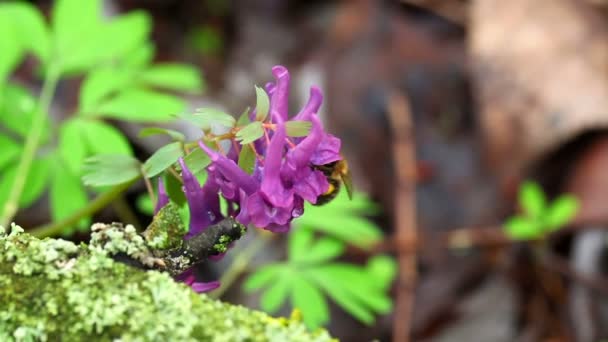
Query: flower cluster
x=284, y=174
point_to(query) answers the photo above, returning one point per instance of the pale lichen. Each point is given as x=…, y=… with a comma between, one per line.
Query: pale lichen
x=54, y=290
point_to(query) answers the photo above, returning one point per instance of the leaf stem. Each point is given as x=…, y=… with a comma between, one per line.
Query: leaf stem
x=98, y=203
x=241, y=262
x=31, y=146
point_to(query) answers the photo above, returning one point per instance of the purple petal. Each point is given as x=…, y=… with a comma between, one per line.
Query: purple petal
x=163, y=198
x=230, y=170
x=312, y=186
x=200, y=287
x=272, y=186
x=300, y=156
x=328, y=151
x=279, y=102
x=203, y=202
x=312, y=106
x=187, y=277
x=262, y=213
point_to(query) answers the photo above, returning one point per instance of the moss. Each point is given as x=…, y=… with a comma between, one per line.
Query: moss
x=167, y=229
x=53, y=290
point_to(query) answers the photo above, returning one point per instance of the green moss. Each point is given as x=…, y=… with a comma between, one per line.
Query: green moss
x=52, y=290
x=167, y=229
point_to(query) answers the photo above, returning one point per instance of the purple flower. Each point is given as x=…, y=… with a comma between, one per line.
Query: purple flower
x=279, y=95
x=312, y=106
x=189, y=279
x=227, y=174
x=163, y=198
x=204, y=203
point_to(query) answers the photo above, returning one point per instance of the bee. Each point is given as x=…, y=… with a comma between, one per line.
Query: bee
x=337, y=173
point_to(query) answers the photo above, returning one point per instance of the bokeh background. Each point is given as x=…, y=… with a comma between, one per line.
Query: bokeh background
x=496, y=92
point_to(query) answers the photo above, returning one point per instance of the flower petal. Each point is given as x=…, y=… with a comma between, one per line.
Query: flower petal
x=230, y=170
x=279, y=101
x=200, y=287
x=328, y=151
x=163, y=198
x=312, y=106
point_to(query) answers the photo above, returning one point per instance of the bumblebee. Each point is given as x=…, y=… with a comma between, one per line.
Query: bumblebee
x=337, y=173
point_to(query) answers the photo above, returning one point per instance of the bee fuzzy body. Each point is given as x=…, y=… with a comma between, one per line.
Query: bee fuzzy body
x=336, y=173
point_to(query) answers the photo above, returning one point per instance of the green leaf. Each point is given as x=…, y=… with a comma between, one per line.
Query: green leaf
x=298, y=128
x=383, y=269
x=323, y=250
x=29, y=28
x=299, y=243
x=12, y=49
x=263, y=276
x=262, y=104
x=532, y=199
x=10, y=151
x=349, y=228
x=124, y=34
x=150, y=131
x=17, y=108
x=75, y=26
x=140, y=57
x=342, y=296
x=178, y=77
x=174, y=189
x=561, y=211
x=197, y=160
x=243, y=119
x=102, y=138
x=273, y=298
x=309, y=299
x=144, y=204
x=71, y=147
x=522, y=228
x=104, y=170
x=208, y=116
x=67, y=195
x=162, y=159
x=36, y=182
x=250, y=133
x=354, y=283
x=141, y=105
x=247, y=159
x=100, y=84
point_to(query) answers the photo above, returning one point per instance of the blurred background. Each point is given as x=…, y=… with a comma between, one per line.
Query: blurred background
x=496, y=92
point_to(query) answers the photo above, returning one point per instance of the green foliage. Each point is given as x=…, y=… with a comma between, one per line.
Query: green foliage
x=298, y=128
x=311, y=272
x=540, y=217
x=344, y=219
x=120, y=82
x=262, y=104
x=205, y=117
x=104, y=170
x=250, y=133
x=247, y=159
x=162, y=159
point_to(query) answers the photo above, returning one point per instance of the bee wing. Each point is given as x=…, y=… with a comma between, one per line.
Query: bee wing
x=348, y=184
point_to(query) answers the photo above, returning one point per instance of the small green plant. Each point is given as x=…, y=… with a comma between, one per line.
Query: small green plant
x=120, y=82
x=311, y=271
x=540, y=217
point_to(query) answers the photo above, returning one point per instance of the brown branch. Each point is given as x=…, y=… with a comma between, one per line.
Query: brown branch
x=404, y=157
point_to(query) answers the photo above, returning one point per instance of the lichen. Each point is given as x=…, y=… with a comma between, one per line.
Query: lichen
x=55, y=290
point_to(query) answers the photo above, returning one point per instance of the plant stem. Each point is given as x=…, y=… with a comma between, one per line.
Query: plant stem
x=31, y=146
x=99, y=202
x=240, y=263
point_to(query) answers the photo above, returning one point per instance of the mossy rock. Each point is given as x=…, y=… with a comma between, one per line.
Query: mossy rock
x=54, y=290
